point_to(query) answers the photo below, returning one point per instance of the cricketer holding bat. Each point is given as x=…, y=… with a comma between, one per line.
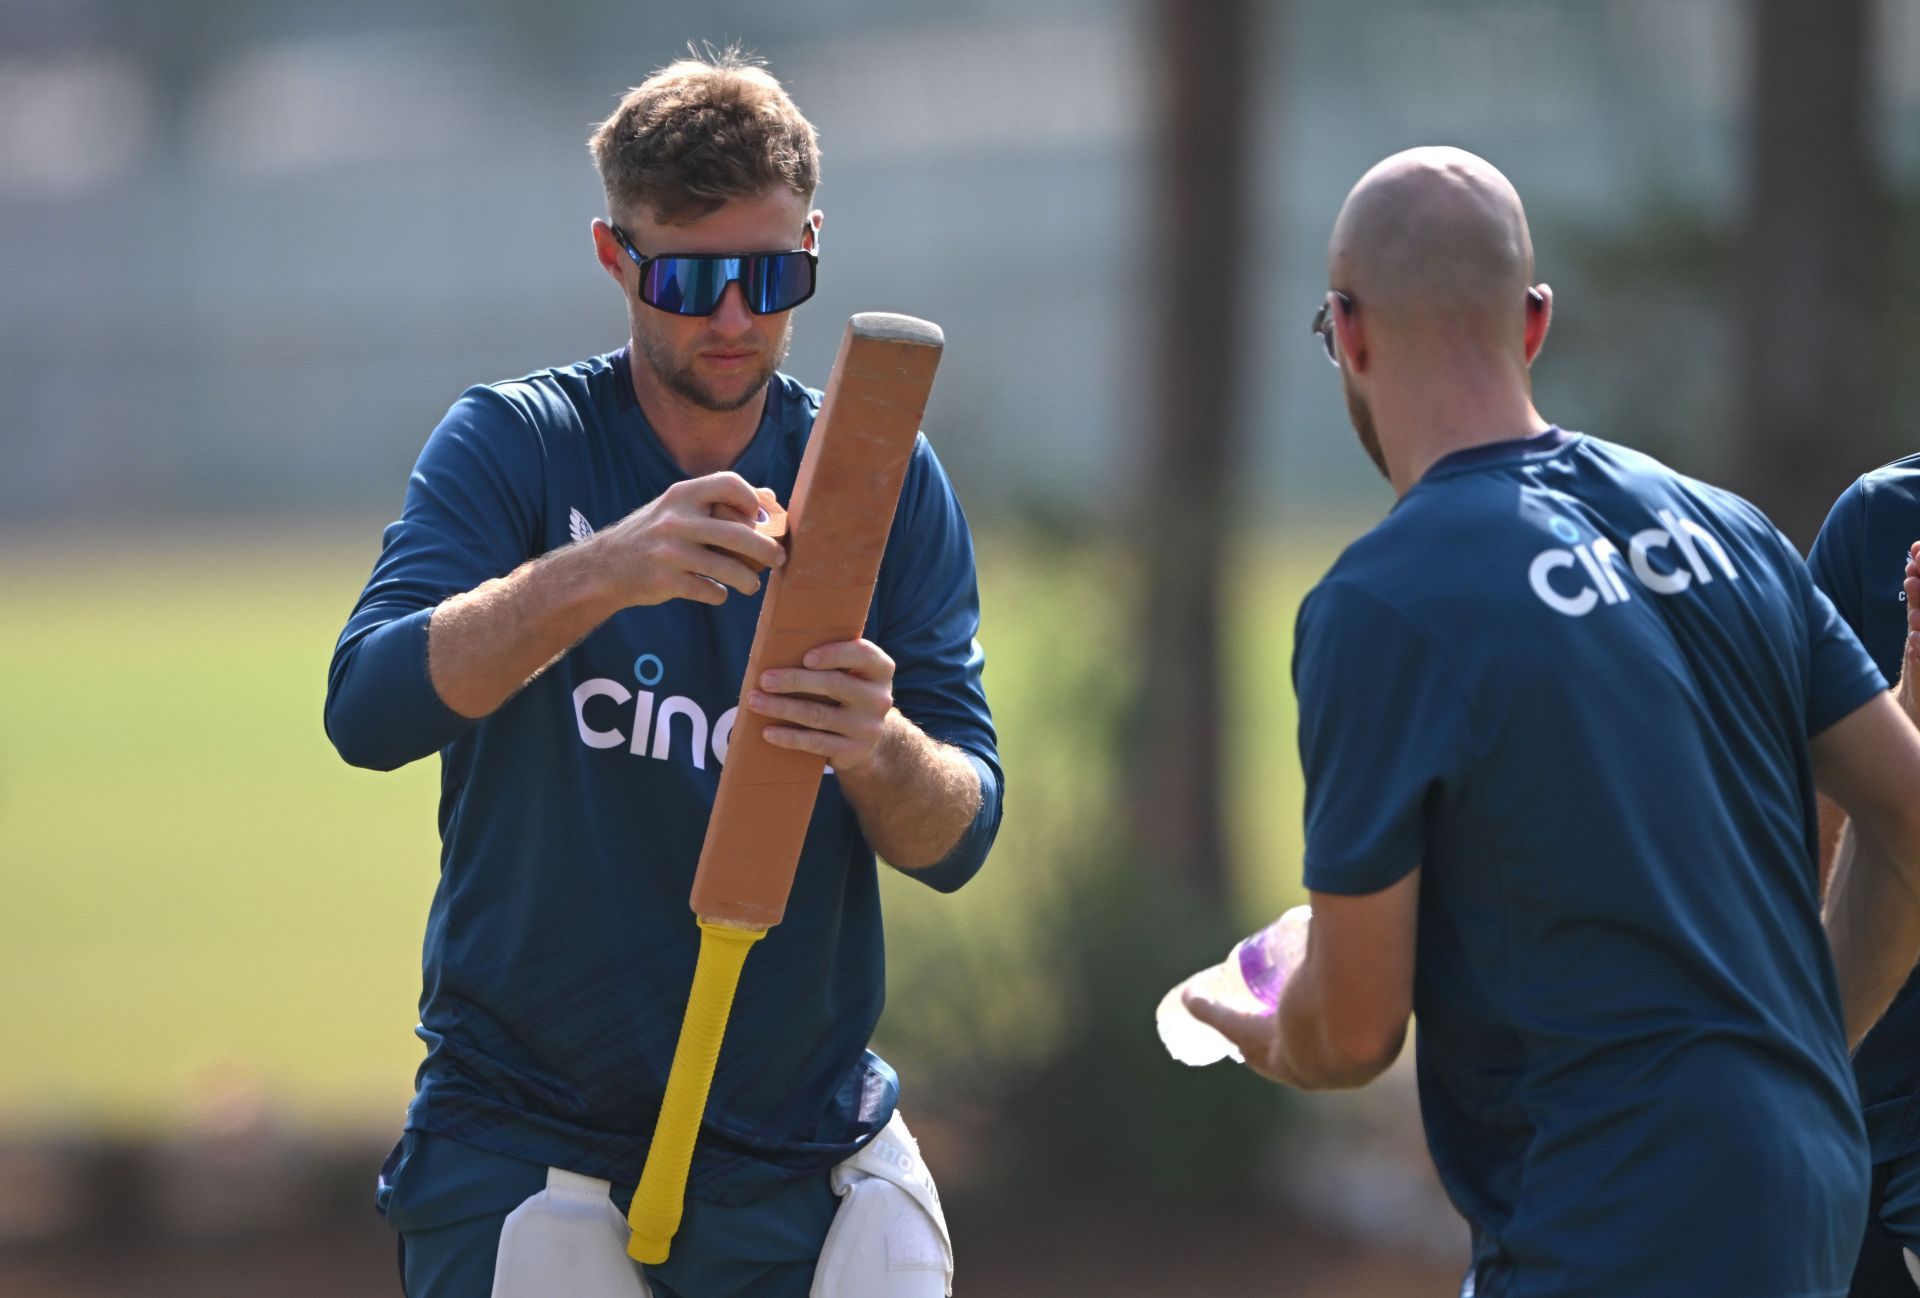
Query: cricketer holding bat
x=1562, y=715
x=1853, y=561
x=563, y=612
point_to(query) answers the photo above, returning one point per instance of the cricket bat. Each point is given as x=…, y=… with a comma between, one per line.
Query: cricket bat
x=836, y=530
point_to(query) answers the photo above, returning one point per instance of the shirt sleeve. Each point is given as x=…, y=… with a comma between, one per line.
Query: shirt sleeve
x=1838, y=557
x=927, y=618
x=1841, y=675
x=472, y=513
x=1384, y=735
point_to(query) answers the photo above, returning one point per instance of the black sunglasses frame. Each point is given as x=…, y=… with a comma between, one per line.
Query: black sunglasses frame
x=641, y=260
x=1323, y=323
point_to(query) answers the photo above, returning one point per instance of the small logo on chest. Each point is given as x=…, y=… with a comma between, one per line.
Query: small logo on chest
x=578, y=525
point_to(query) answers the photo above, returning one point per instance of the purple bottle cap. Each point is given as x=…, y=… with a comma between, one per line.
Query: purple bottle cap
x=1264, y=977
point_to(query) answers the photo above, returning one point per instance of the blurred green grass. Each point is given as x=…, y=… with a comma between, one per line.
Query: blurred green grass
x=198, y=900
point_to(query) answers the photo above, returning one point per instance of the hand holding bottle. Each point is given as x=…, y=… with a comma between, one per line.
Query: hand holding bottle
x=1250, y=979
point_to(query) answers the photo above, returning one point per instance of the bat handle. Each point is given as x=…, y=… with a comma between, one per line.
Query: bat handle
x=661, y=1196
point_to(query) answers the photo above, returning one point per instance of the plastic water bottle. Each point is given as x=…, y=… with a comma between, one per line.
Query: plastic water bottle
x=1249, y=979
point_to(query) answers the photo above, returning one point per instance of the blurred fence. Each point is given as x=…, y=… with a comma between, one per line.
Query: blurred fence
x=253, y=250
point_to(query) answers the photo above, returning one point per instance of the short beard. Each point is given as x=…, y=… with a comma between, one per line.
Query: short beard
x=681, y=380
x=1362, y=417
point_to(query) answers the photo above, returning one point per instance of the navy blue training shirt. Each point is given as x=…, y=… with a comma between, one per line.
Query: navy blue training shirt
x=1575, y=689
x=1854, y=561
x=560, y=946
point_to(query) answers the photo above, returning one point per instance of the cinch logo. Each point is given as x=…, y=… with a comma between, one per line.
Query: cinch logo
x=1576, y=580
x=649, y=723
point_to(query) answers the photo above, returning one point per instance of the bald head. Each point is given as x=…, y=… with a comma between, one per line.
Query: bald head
x=1435, y=238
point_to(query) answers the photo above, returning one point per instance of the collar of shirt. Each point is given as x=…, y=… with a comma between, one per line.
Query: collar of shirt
x=1474, y=457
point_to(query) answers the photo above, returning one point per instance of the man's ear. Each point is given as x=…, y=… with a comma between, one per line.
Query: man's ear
x=607, y=251
x=1350, y=333
x=810, y=234
x=1539, y=318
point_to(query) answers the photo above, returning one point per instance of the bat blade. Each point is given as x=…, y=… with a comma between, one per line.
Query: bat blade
x=837, y=526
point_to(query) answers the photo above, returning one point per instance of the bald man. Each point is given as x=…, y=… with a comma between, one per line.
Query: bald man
x=1562, y=714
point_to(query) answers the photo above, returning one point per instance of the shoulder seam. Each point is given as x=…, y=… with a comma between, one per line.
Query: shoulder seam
x=542, y=449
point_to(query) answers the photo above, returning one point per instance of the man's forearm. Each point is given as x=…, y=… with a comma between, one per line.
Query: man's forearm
x=1832, y=822
x=1314, y=1050
x=915, y=797
x=485, y=645
x=1871, y=896
x=1873, y=924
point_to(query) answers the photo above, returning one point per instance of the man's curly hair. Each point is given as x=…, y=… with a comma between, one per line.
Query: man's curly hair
x=700, y=131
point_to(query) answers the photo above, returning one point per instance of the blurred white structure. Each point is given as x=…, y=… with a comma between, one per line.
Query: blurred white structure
x=250, y=264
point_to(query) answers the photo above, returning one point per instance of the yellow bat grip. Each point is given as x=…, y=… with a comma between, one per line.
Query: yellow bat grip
x=662, y=1193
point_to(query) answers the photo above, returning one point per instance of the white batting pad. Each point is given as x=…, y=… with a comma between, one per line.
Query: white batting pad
x=889, y=1239
x=567, y=1239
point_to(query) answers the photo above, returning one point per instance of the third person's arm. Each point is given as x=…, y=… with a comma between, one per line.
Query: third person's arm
x=1869, y=763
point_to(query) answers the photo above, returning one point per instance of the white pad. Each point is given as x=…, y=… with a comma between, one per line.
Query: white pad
x=889, y=1239
x=568, y=1239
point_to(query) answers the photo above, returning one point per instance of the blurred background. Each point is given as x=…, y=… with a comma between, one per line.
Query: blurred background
x=250, y=251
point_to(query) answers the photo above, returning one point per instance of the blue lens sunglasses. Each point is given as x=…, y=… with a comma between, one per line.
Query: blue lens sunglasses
x=693, y=285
